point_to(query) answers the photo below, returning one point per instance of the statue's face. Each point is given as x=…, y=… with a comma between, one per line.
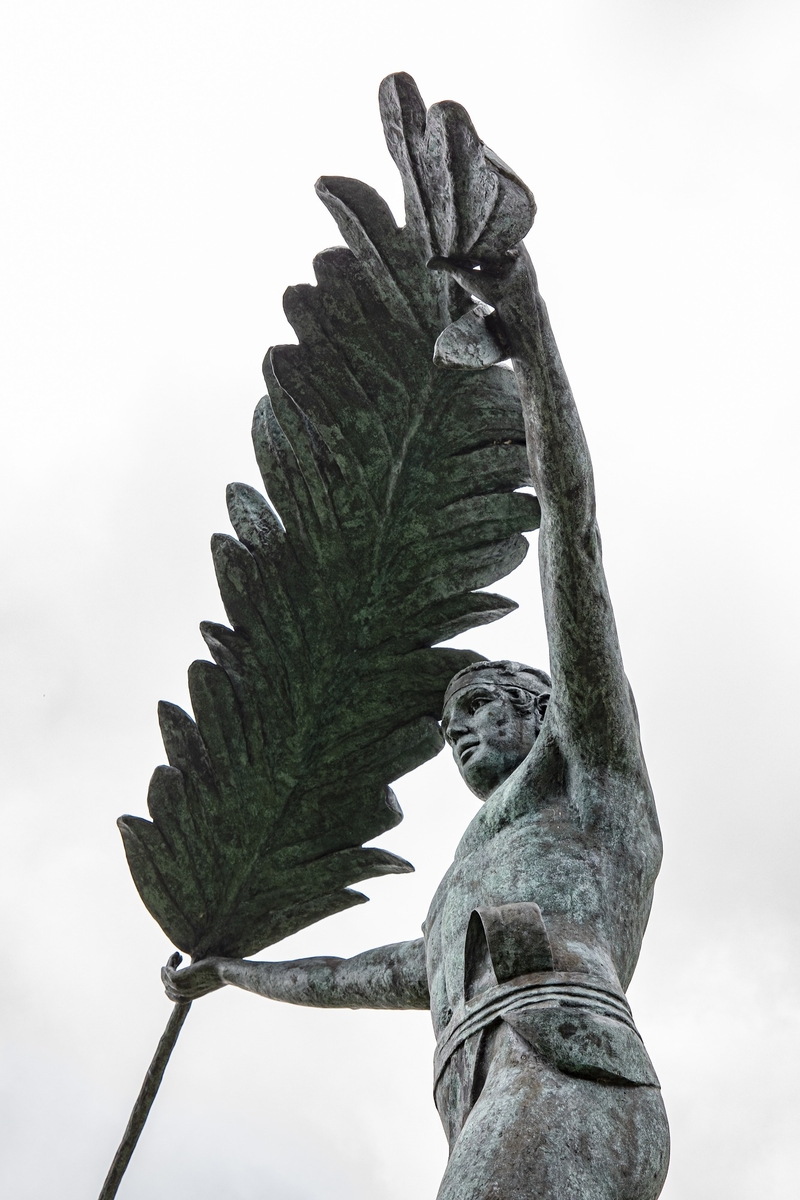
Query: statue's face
x=488, y=735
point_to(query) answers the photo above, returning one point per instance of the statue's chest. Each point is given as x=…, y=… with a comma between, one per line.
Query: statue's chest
x=540, y=859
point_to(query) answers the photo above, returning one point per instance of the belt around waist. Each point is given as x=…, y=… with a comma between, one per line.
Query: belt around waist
x=551, y=989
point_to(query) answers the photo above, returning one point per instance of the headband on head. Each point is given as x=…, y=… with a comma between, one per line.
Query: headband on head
x=503, y=672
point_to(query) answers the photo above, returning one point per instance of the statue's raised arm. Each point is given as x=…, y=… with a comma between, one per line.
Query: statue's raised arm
x=592, y=708
x=534, y=932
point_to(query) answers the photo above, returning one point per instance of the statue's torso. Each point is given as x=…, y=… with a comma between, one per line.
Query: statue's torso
x=585, y=848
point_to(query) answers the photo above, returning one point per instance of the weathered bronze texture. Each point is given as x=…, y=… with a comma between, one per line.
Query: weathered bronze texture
x=391, y=444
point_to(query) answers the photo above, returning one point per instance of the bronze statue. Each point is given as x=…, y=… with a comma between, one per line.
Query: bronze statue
x=542, y=1082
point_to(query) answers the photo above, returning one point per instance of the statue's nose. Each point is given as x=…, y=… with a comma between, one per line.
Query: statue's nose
x=461, y=729
x=456, y=729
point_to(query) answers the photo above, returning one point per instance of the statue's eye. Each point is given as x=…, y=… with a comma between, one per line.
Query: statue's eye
x=478, y=702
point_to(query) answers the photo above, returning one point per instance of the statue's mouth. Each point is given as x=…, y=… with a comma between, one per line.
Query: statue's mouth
x=467, y=749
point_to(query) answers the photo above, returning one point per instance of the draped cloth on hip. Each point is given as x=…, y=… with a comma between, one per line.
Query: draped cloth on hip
x=580, y=1025
x=576, y=1022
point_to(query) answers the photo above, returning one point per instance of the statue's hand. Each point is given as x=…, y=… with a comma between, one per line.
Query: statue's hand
x=507, y=283
x=193, y=981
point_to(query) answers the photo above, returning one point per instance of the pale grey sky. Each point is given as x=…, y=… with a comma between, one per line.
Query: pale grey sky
x=160, y=161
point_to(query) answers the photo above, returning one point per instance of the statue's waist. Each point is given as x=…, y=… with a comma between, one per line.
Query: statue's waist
x=561, y=990
x=577, y=1021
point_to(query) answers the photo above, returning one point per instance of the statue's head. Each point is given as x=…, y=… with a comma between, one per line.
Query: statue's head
x=492, y=715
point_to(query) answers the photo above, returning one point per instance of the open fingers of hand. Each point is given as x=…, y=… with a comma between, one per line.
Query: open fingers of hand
x=494, y=281
x=469, y=274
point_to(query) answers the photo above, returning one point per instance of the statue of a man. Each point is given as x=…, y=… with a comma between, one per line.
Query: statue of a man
x=543, y=1084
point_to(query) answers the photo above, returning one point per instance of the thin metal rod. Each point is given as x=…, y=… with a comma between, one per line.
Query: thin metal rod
x=144, y=1101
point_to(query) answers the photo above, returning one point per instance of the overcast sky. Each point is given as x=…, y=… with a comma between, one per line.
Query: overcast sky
x=160, y=162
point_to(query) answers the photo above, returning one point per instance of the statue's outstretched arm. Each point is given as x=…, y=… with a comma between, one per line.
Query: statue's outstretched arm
x=592, y=701
x=386, y=977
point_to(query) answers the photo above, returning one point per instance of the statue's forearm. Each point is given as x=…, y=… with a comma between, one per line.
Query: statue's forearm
x=387, y=977
x=559, y=456
x=591, y=694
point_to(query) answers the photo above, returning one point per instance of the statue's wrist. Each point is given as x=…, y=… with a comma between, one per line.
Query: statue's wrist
x=518, y=316
x=227, y=969
x=519, y=330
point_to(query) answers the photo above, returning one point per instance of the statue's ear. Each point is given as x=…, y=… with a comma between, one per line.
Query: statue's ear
x=540, y=704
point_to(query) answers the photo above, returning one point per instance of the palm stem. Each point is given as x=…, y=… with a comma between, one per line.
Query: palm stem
x=144, y=1101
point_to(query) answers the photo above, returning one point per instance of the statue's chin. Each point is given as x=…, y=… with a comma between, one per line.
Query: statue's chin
x=486, y=770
